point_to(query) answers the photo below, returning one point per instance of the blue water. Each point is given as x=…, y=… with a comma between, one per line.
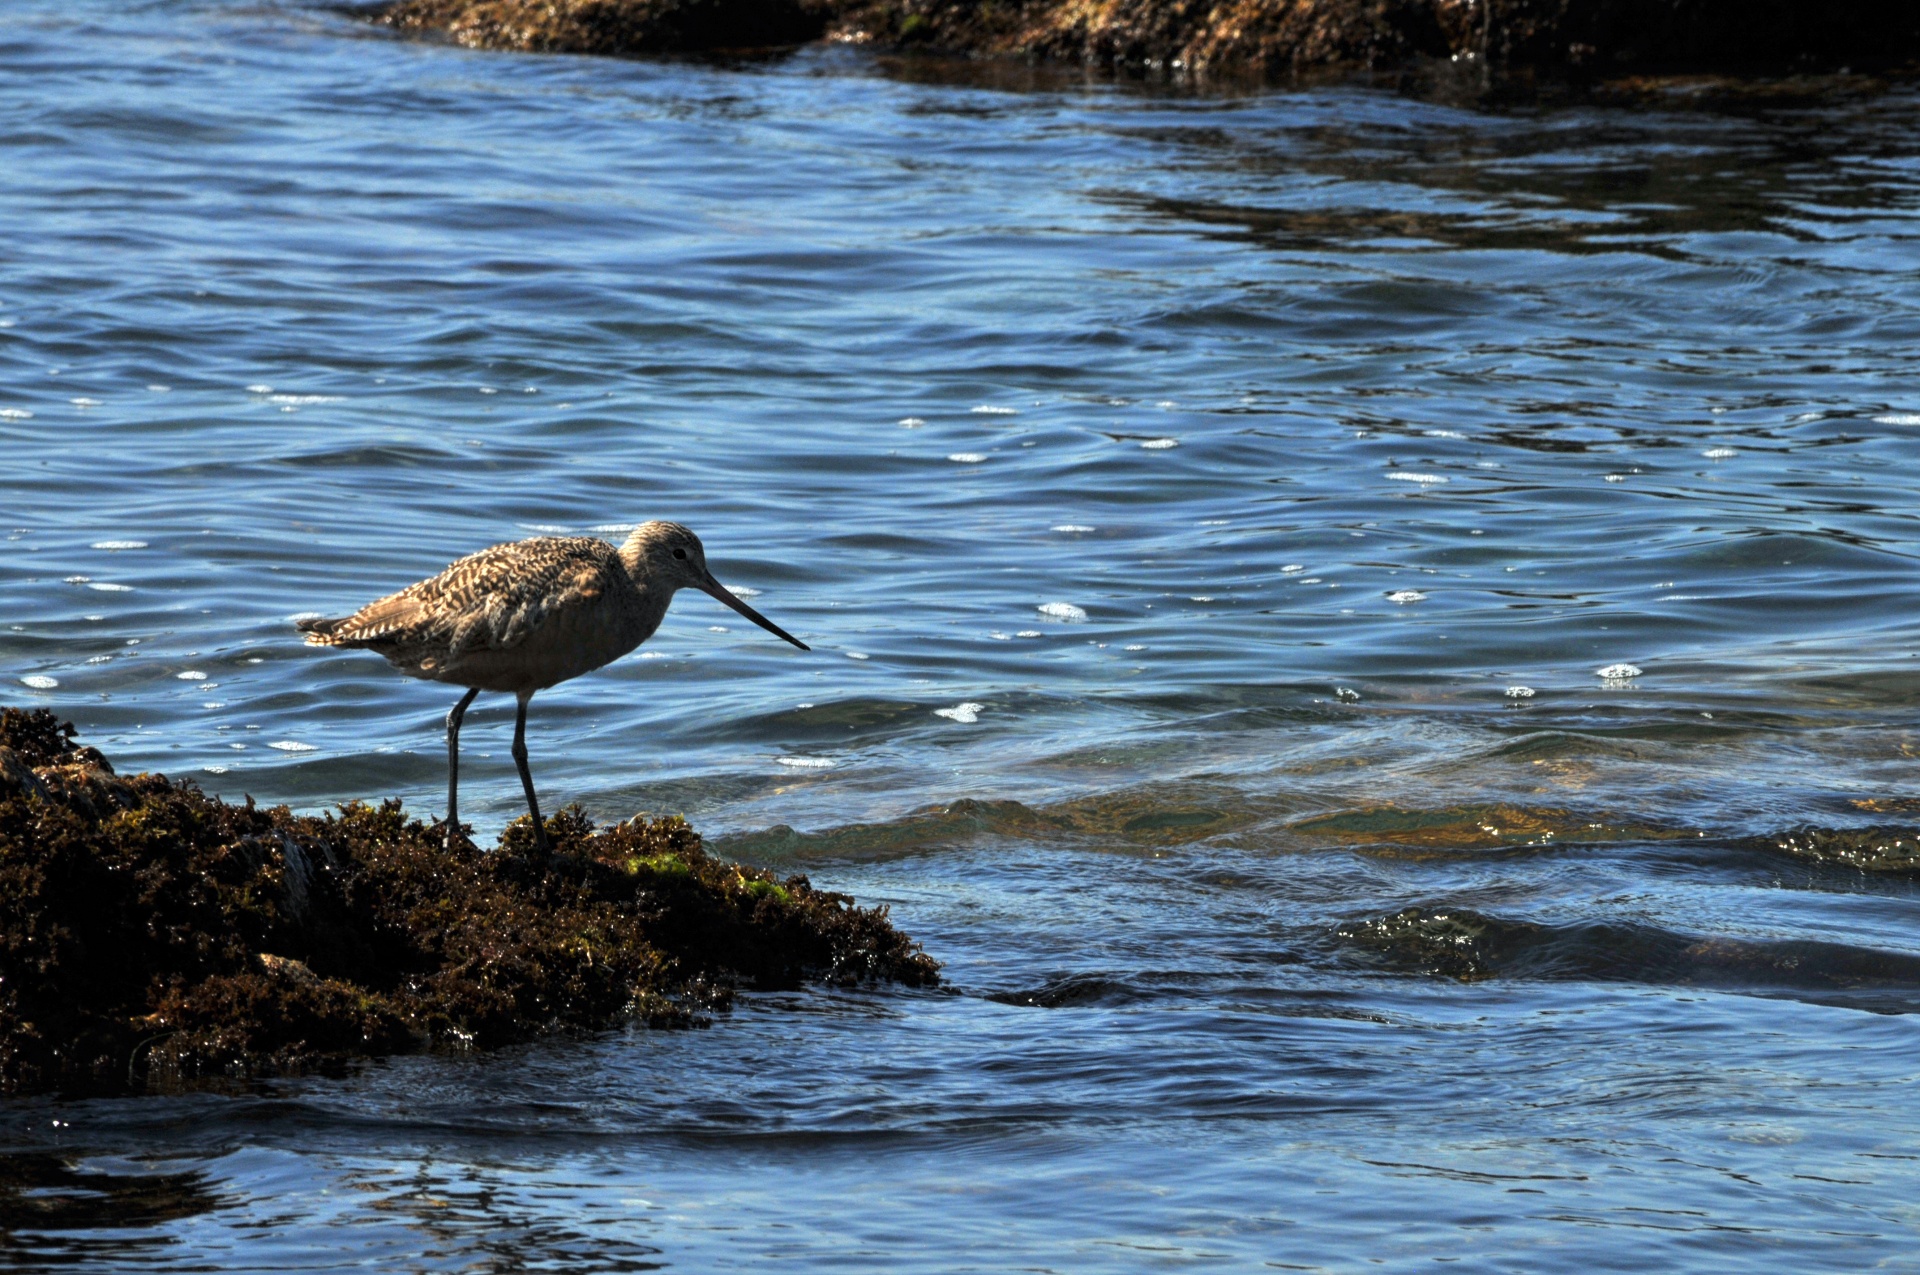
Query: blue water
x=1317, y=421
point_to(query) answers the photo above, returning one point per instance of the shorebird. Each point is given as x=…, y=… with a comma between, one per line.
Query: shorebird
x=524, y=616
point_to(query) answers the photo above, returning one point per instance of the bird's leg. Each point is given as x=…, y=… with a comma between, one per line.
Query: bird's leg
x=453, y=765
x=526, y=776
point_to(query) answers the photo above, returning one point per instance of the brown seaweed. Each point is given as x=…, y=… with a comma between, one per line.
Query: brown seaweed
x=150, y=934
x=1487, y=45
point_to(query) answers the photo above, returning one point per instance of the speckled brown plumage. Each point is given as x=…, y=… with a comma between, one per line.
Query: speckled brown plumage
x=523, y=616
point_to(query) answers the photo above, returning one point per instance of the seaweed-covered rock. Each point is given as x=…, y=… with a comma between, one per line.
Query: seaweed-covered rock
x=1887, y=849
x=149, y=933
x=613, y=26
x=1493, y=39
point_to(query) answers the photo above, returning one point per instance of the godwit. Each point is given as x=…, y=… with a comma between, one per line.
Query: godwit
x=524, y=616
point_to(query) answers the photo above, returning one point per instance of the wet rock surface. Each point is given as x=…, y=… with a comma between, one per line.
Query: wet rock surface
x=1483, y=43
x=151, y=935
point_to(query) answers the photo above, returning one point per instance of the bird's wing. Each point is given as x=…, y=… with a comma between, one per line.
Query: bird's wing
x=490, y=600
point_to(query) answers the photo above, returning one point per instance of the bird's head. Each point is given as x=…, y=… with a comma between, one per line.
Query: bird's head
x=666, y=555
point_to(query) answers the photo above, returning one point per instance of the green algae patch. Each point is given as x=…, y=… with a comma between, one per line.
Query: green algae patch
x=151, y=935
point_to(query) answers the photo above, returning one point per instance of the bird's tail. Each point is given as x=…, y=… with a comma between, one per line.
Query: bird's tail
x=319, y=630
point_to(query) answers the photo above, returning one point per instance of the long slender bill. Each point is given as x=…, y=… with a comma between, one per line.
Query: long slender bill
x=719, y=591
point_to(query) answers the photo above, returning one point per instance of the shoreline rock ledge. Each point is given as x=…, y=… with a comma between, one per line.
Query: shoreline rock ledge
x=153, y=937
x=1494, y=40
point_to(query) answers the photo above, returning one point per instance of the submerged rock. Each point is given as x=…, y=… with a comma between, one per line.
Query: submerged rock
x=1507, y=39
x=150, y=934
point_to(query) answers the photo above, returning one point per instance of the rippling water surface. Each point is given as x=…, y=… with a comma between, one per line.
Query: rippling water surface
x=1210, y=515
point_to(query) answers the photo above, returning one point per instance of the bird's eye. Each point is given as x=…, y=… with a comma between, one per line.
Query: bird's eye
x=680, y=553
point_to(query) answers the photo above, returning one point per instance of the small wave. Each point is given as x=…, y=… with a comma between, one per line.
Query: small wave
x=911, y=422
x=963, y=713
x=1898, y=418
x=1072, y=528
x=259, y=389
x=1404, y=596
x=986, y=410
x=15, y=414
x=84, y=401
x=192, y=675
x=1618, y=672
x=1720, y=453
x=40, y=681
x=118, y=544
x=110, y=588
x=967, y=458
x=1062, y=611
x=293, y=746
x=1409, y=476
x=742, y=591
x=1160, y=444
x=806, y=763
x=302, y=400
x=1463, y=944
x=1520, y=692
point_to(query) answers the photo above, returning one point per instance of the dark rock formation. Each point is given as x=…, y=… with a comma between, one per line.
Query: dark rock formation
x=150, y=934
x=1490, y=39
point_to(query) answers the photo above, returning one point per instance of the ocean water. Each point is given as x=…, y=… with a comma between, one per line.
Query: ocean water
x=1211, y=514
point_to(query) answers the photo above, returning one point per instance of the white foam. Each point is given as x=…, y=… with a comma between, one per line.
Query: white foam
x=259, y=389
x=192, y=675
x=160, y=389
x=303, y=400
x=742, y=591
x=1616, y=478
x=718, y=628
x=84, y=401
x=40, y=681
x=967, y=458
x=1292, y=569
x=806, y=763
x=118, y=544
x=613, y=528
x=966, y=714
x=215, y=770
x=912, y=422
x=488, y=389
x=1000, y=637
x=1896, y=418
x=1443, y=433
x=293, y=746
x=985, y=410
x=857, y=655
x=1216, y=522
x=1160, y=444
x=1062, y=611
x=1519, y=692
x=111, y=588
x=299, y=616
x=100, y=659
x=1409, y=476
x=15, y=414
x=1614, y=672
x=214, y=703
x=1072, y=528
x=545, y=528
x=1202, y=597
x=78, y=579
x=1720, y=453
x=1307, y=580
x=1166, y=402
x=1133, y=647
x=1404, y=596
x=1029, y=633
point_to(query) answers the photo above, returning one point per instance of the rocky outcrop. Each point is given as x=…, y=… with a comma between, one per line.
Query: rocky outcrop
x=1505, y=39
x=152, y=936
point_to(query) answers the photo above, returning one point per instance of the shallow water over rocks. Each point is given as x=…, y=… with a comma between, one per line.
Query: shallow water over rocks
x=1275, y=927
